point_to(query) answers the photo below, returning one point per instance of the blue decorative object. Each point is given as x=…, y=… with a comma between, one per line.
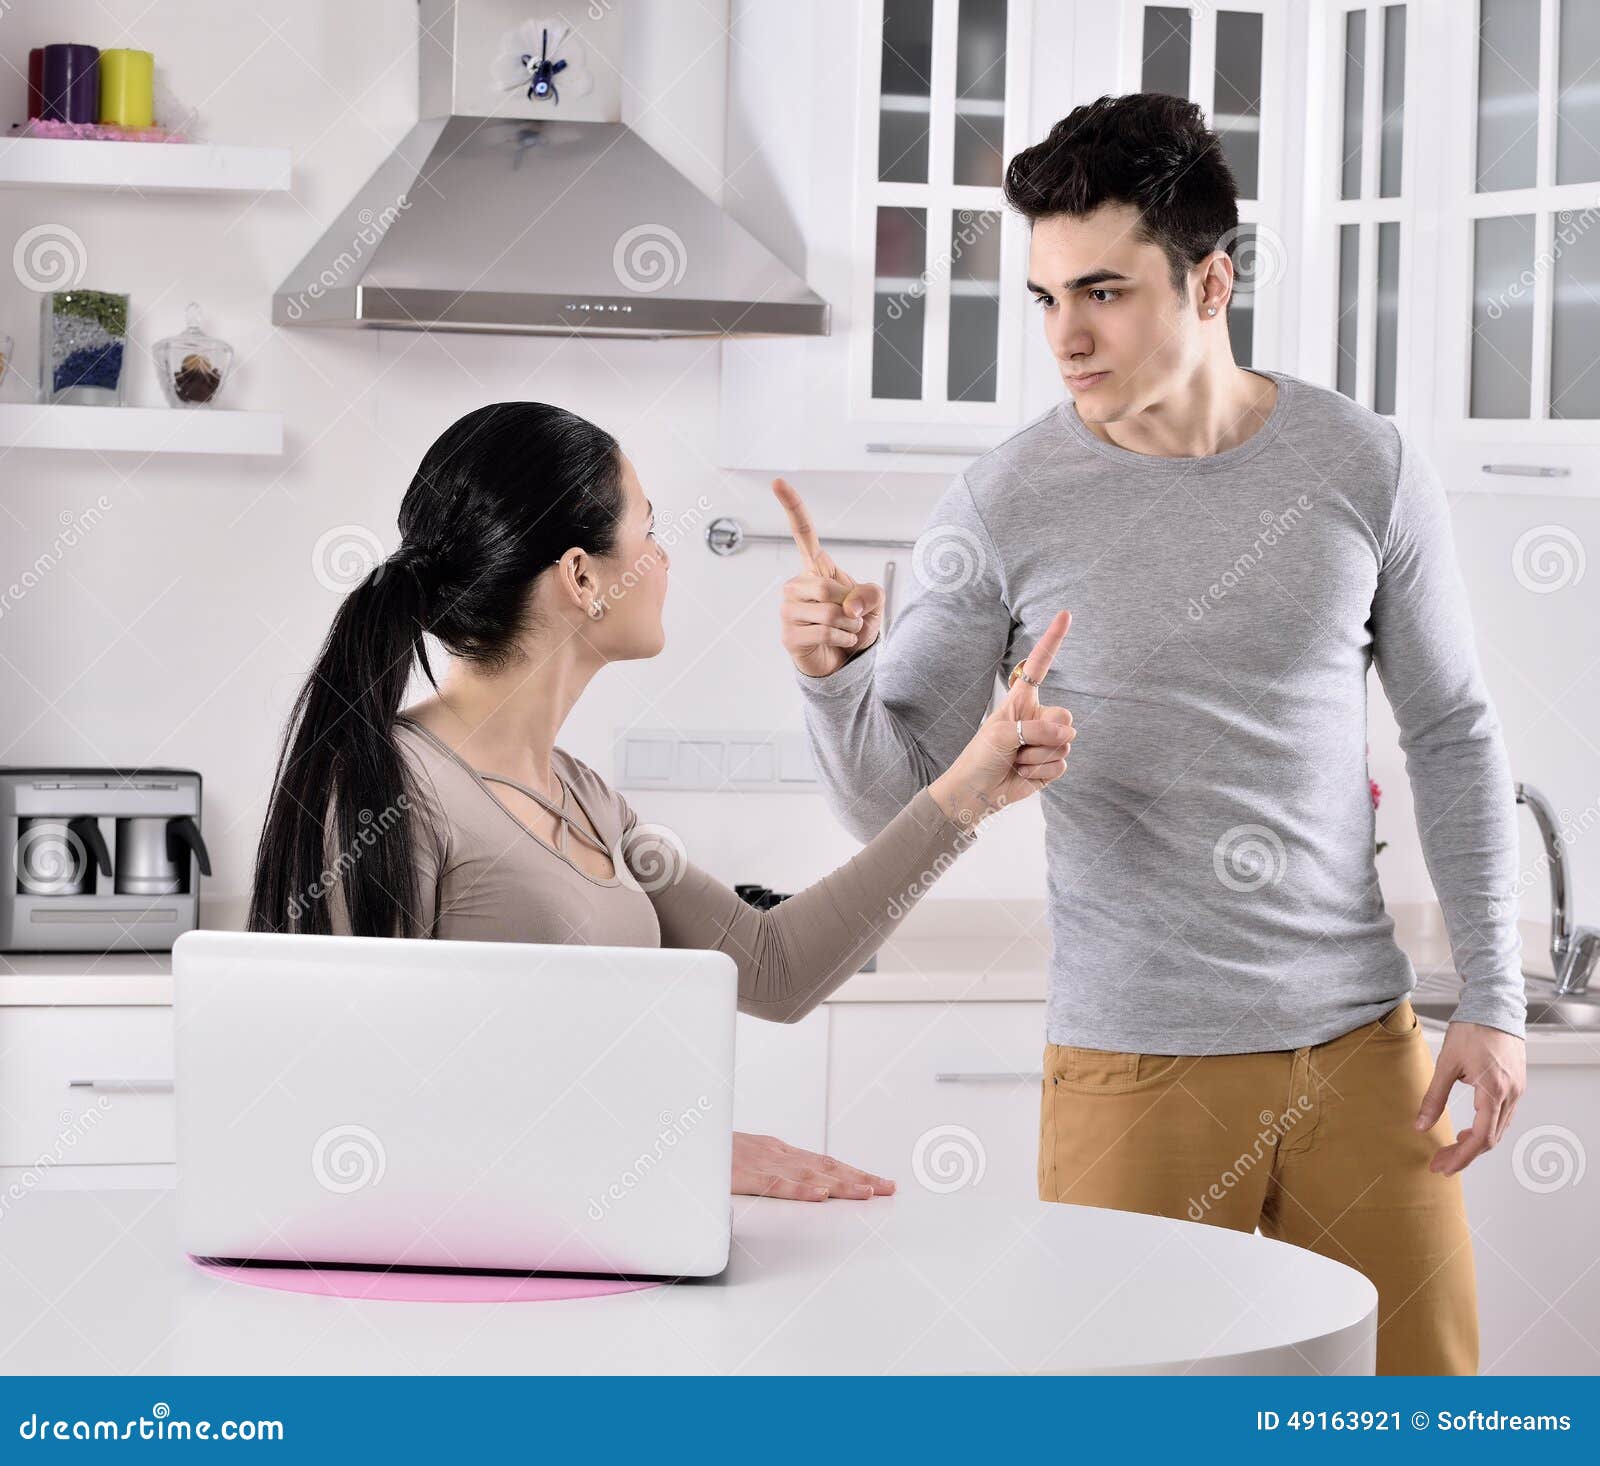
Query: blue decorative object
x=93, y=366
x=82, y=337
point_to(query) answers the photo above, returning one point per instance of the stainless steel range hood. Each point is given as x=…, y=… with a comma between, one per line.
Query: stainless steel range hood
x=535, y=224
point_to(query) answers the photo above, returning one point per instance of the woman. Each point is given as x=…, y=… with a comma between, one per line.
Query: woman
x=528, y=551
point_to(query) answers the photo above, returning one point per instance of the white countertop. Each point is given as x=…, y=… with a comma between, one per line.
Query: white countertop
x=93, y=1282
x=944, y=951
x=56, y=979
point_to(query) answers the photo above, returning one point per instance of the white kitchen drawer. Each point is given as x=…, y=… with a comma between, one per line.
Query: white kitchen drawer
x=939, y=1095
x=780, y=1080
x=86, y=1086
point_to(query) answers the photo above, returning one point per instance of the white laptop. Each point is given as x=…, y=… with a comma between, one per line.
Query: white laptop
x=361, y=1100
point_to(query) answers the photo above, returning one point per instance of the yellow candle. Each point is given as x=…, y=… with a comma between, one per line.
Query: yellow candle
x=127, y=83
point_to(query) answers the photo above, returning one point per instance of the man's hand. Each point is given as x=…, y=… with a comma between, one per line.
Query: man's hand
x=764, y=1166
x=1495, y=1064
x=827, y=616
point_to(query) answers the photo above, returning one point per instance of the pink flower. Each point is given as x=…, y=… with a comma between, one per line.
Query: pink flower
x=1377, y=793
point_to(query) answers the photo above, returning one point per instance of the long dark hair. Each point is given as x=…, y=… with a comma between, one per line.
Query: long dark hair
x=501, y=495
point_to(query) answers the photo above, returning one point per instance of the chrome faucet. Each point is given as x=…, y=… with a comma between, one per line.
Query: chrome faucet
x=1573, y=949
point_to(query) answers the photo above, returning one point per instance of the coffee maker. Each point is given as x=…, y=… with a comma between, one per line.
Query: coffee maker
x=99, y=860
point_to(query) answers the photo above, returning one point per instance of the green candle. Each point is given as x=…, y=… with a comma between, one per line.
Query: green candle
x=127, y=84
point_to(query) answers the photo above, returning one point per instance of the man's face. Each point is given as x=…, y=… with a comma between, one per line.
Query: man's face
x=1110, y=309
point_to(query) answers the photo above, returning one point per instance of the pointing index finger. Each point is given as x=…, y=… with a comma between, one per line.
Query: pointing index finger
x=1045, y=649
x=800, y=526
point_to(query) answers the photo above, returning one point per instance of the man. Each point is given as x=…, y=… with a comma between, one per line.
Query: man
x=1229, y=1037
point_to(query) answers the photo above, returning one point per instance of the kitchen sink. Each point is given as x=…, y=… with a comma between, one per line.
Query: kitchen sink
x=1577, y=1011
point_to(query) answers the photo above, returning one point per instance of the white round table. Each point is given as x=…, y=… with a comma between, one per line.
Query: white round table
x=93, y=1282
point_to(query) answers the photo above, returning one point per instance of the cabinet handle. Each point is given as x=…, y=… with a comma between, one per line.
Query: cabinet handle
x=999, y=1076
x=1529, y=470
x=953, y=449
x=124, y=1086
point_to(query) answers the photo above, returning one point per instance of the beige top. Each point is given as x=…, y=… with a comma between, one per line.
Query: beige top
x=483, y=875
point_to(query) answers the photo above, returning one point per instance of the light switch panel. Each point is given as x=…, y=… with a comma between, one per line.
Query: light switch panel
x=751, y=763
x=701, y=762
x=652, y=758
x=794, y=759
x=647, y=760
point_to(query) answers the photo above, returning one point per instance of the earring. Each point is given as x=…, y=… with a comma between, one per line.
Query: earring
x=1211, y=310
x=596, y=610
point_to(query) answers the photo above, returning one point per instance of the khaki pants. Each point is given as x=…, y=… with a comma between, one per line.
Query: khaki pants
x=1314, y=1146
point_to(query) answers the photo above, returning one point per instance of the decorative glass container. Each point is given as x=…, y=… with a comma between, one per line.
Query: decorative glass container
x=192, y=365
x=82, y=336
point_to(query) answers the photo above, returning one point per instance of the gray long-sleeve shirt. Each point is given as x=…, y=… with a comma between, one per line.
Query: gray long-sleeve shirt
x=1211, y=880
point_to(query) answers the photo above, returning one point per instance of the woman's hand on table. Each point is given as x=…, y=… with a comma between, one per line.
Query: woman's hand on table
x=763, y=1165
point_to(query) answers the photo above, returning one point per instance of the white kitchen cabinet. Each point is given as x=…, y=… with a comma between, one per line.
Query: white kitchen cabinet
x=85, y=1086
x=1364, y=180
x=780, y=1078
x=938, y=1096
x=1518, y=214
x=1534, y=1215
x=1235, y=60
x=866, y=145
x=1452, y=270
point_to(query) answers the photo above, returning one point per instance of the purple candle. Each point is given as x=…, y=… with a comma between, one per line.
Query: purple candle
x=35, y=82
x=71, y=83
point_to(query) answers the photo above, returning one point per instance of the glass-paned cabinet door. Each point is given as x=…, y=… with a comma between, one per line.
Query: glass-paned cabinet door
x=1362, y=203
x=1525, y=211
x=1228, y=60
x=943, y=108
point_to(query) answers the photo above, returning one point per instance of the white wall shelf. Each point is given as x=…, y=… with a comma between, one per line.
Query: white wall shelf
x=140, y=429
x=41, y=162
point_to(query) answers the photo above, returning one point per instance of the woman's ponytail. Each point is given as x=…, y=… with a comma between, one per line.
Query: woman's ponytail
x=341, y=794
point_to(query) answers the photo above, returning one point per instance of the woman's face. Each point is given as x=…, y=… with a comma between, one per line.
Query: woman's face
x=633, y=581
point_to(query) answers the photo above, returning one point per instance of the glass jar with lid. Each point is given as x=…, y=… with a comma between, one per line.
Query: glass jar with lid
x=192, y=365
